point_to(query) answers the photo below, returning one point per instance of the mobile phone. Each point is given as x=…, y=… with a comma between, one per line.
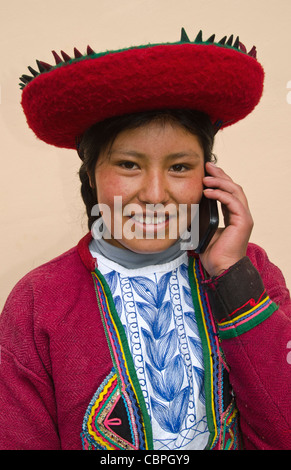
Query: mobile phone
x=208, y=222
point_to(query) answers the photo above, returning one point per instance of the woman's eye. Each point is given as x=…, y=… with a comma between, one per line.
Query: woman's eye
x=179, y=167
x=128, y=165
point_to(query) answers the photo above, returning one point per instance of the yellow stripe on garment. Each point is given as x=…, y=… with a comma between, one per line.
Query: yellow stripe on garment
x=123, y=355
x=266, y=299
x=209, y=349
x=98, y=437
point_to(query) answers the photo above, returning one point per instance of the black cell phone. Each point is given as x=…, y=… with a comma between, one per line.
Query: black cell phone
x=208, y=222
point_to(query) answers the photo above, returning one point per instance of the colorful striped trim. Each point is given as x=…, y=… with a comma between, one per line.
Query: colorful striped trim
x=230, y=437
x=208, y=344
x=101, y=428
x=219, y=419
x=117, y=419
x=127, y=381
x=247, y=320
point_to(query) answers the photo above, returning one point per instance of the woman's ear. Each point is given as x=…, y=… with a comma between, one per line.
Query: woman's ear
x=91, y=183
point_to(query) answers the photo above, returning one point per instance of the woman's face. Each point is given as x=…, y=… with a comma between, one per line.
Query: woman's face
x=146, y=182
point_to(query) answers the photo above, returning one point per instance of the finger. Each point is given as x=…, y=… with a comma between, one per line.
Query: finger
x=226, y=185
x=214, y=170
x=232, y=204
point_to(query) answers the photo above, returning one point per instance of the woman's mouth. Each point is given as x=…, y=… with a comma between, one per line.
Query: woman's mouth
x=150, y=220
x=150, y=223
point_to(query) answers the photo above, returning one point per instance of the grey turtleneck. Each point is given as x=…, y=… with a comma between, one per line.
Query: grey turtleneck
x=131, y=260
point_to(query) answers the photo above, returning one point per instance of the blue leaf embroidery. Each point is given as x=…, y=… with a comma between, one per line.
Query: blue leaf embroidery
x=111, y=279
x=118, y=305
x=171, y=418
x=178, y=409
x=169, y=386
x=158, y=320
x=162, y=321
x=162, y=287
x=146, y=288
x=196, y=348
x=174, y=375
x=161, y=414
x=147, y=312
x=199, y=375
x=157, y=382
x=184, y=271
x=188, y=296
x=163, y=364
x=161, y=351
x=191, y=322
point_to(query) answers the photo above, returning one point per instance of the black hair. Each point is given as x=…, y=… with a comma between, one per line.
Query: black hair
x=101, y=135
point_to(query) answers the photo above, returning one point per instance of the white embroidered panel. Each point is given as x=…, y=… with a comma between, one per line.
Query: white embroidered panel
x=155, y=306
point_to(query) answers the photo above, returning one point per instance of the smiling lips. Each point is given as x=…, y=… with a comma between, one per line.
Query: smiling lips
x=150, y=220
x=147, y=222
x=154, y=222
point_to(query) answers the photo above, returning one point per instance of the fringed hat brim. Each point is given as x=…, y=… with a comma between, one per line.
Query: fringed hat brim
x=63, y=101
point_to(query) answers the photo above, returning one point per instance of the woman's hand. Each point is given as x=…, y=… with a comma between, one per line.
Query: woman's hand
x=229, y=244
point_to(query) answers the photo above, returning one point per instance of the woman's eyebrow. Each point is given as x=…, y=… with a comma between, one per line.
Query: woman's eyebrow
x=171, y=156
x=183, y=154
x=132, y=153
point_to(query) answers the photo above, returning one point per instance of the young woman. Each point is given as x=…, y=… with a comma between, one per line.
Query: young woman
x=129, y=341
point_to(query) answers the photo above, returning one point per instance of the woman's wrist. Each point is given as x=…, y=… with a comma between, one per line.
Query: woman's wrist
x=217, y=271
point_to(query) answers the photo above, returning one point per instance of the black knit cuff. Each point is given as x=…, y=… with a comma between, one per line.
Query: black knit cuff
x=238, y=299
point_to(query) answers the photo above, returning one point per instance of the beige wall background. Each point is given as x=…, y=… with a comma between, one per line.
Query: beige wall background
x=42, y=214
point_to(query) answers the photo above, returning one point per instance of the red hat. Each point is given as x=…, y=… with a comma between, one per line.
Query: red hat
x=220, y=78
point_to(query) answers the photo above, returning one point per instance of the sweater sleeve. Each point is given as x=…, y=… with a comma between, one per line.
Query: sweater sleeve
x=251, y=305
x=28, y=411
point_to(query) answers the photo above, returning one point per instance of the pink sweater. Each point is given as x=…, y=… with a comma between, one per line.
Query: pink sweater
x=55, y=355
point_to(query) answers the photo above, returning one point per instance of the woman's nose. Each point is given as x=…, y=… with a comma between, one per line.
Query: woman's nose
x=154, y=188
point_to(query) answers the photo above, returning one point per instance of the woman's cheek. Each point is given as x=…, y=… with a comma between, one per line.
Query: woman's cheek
x=108, y=186
x=191, y=191
x=114, y=193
